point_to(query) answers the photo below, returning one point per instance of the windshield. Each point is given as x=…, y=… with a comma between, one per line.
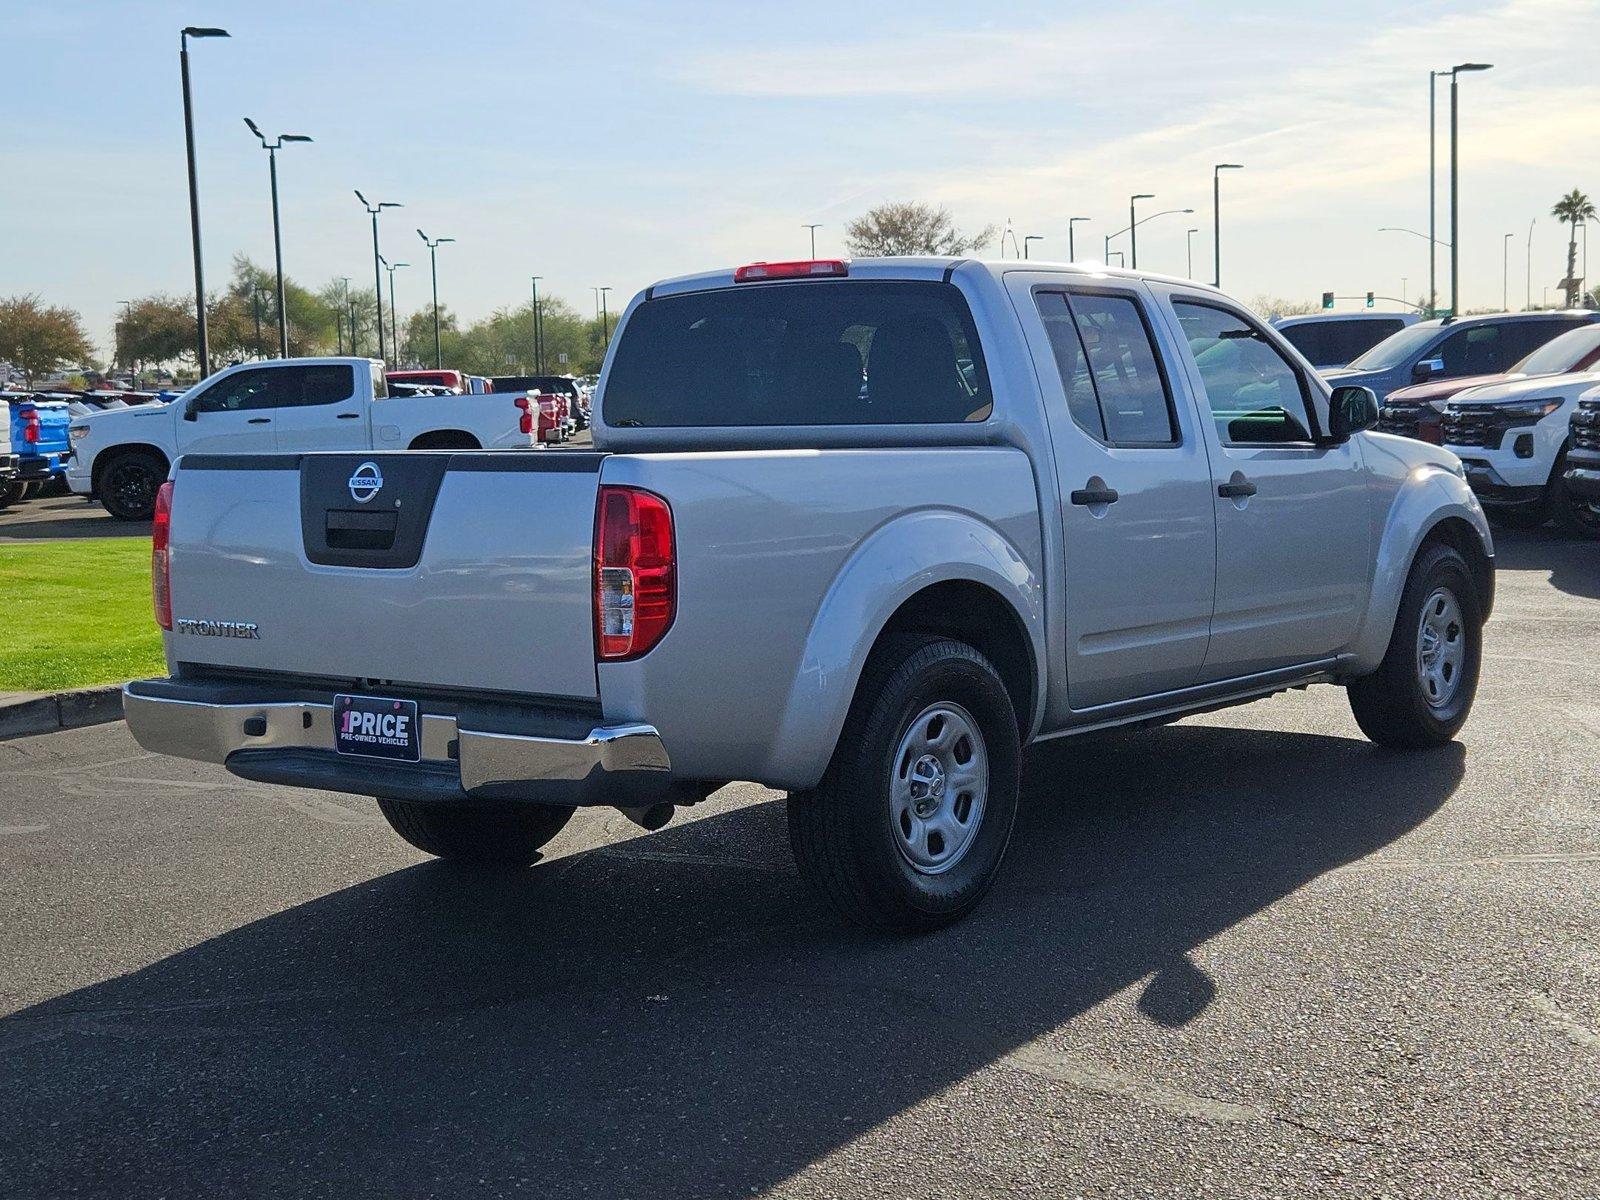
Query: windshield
x=1397, y=349
x=855, y=352
x=1562, y=354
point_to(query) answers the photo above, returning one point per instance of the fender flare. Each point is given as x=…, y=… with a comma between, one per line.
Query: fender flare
x=897, y=560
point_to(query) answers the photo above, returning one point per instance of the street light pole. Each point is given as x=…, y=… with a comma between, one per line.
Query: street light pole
x=1032, y=237
x=1528, y=300
x=1072, y=249
x=813, y=229
x=1455, y=190
x=1433, y=203
x=272, y=149
x=1505, y=273
x=605, y=322
x=377, y=271
x=202, y=342
x=1133, y=229
x=1188, y=239
x=350, y=311
x=1216, y=218
x=433, y=259
x=538, y=333
x=394, y=319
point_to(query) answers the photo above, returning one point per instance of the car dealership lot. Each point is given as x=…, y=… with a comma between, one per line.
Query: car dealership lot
x=1246, y=954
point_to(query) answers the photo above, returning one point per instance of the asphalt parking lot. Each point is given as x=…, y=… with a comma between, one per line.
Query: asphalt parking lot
x=1245, y=955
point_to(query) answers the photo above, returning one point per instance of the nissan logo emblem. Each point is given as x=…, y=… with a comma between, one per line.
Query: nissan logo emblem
x=366, y=482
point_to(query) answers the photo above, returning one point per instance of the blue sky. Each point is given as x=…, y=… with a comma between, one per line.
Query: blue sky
x=616, y=143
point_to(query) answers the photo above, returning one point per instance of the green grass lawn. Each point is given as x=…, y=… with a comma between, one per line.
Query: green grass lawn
x=76, y=613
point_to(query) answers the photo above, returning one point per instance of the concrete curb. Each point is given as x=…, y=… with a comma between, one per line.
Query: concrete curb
x=60, y=710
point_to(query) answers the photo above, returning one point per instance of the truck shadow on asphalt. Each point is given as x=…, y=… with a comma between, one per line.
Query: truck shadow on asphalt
x=1573, y=562
x=672, y=1016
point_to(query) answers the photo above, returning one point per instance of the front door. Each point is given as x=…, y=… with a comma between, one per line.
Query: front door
x=235, y=415
x=1135, y=488
x=1294, y=534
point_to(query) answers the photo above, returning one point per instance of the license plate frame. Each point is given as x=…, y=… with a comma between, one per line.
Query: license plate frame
x=393, y=735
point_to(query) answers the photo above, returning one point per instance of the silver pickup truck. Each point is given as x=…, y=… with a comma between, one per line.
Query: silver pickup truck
x=859, y=531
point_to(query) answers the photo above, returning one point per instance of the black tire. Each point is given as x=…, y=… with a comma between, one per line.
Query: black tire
x=491, y=837
x=56, y=485
x=1573, y=515
x=13, y=493
x=843, y=832
x=1393, y=705
x=31, y=489
x=129, y=482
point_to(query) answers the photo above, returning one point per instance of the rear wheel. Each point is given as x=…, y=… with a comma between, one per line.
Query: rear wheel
x=128, y=485
x=1422, y=692
x=495, y=837
x=908, y=828
x=10, y=493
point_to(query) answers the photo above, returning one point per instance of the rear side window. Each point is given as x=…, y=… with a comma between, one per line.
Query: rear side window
x=852, y=352
x=1114, y=387
x=380, y=383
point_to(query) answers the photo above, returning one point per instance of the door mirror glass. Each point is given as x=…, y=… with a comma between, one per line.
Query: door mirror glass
x=1428, y=368
x=1351, y=410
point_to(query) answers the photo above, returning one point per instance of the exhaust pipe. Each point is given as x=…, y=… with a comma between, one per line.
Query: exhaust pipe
x=651, y=817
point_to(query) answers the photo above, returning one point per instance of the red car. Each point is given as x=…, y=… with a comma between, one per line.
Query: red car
x=1418, y=411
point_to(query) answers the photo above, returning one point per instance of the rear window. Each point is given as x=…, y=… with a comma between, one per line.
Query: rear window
x=857, y=352
x=1335, y=343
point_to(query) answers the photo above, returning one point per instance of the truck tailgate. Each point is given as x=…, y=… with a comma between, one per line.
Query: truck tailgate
x=436, y=568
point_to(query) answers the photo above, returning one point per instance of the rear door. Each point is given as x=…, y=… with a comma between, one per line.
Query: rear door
x=1135, y=484
x=1293, y=531
x=323, y=407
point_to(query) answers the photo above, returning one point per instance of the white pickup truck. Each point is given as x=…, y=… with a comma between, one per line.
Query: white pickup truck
x=293, y=404
x=856, y=531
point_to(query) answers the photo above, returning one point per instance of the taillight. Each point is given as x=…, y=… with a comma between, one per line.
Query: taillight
x=524, y=422
x=30, y=426
x=811, y=268
x=635, y=572
x=161, y=556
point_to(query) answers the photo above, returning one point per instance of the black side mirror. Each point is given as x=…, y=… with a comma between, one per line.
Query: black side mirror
x=191, y=413
x=1427, y=368
x=1352, y=409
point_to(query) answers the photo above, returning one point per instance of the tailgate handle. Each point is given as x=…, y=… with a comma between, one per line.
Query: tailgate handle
x=361, y=529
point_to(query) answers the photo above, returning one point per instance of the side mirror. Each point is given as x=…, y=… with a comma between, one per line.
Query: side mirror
x=1427, y=368
x=1351, y=410
x=190, y=412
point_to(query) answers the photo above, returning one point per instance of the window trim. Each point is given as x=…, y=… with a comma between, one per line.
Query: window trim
x=1313, y=423
x=1066, y=291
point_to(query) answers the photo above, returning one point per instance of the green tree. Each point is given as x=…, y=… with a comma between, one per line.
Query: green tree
x=155, y=330
x=39, y=339
x=1572, y=208
x=907, y=227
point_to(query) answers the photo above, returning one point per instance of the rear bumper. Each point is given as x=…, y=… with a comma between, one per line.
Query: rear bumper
x=8, y=466
x=290, y=741
x=39, y=466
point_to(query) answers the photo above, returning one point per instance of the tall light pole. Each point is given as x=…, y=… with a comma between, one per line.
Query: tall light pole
x=1122, y=259
x=1133, y=229
x=1072, y=249
x=127, y=310
x=1188, y=239
x=1505, y=273
x=1145, y=220
x=1032, y=237
x=394, y=320
x=202, y=356
x=1455, y=189
x=350, y=311
x=1433, y=203
x=1529, y=301
x=377, y=271
x=1216, y=218
x=433, y=260
x=272, y=149
x=605, y=322
x=538, y=331
x=813, y=229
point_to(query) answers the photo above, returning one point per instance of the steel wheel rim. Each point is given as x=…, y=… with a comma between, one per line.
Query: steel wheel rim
x=938, y=788
x=132, y=486
x=1441, y=648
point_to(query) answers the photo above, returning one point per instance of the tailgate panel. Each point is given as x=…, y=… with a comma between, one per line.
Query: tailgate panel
x=490, y=590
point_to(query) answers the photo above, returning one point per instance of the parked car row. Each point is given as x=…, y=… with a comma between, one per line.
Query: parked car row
x=36, y=454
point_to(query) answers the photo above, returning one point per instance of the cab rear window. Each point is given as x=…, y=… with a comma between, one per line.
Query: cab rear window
x=848, y=352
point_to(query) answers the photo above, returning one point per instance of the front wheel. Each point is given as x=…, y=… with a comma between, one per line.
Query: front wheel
x=491, y=837
x=1422, y=692
x=908, y=828
x=129, y=484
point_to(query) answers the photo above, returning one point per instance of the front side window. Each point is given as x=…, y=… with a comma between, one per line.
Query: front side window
x=243, y=391
x=1256, y=396
x=1481, y=350
x=278, y=387
x=846, y=352
x=1109, y=370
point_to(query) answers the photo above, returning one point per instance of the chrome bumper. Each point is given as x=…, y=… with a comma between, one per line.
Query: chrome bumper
x=291, y=742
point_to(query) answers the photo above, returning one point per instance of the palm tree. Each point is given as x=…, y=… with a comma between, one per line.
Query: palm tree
x=1572, y=208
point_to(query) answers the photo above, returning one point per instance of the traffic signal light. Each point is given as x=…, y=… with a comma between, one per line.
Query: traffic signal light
x=1327, y=299
x=1369, y=299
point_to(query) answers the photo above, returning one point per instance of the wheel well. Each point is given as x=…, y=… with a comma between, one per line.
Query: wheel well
x=976, y=614
x=106, y=457
x=1460, y=536
x=445, y=439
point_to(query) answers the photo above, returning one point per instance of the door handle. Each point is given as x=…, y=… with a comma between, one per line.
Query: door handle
x=259, y=421
x=348, y=416
x=1094, y=495
x=1236, y=488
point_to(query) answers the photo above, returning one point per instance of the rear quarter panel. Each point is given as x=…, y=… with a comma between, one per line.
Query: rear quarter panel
x=790, y=562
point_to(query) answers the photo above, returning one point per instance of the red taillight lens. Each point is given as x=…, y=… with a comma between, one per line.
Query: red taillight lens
x=161, y=556
x=524, y=422
x=30, y=426
x=635, y=572
x=812, y=268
